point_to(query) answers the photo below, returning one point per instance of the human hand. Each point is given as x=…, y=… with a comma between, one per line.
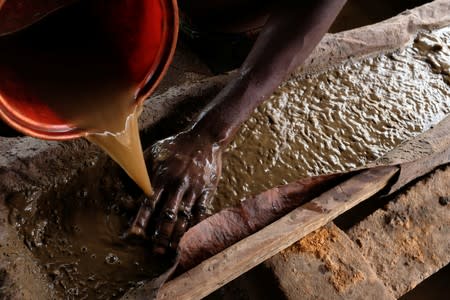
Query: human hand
x=185, y=170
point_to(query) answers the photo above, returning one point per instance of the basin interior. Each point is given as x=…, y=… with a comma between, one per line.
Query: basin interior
x=331, y=121
x=77, y=233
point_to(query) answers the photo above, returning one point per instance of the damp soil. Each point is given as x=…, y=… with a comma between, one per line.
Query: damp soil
x=332, y=121
x=339, y=119
x=77, y=235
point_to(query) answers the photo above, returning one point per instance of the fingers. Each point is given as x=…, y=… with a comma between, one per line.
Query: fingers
x=180, y=211
x=184, y=219
x=167, y=221
x=142, y=219
x=201, y=207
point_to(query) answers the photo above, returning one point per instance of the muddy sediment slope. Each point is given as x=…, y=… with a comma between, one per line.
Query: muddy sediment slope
x=332, y=121
x=71, y=217
x=339, y=119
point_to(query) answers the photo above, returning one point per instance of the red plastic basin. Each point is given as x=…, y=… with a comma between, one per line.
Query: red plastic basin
x=144, y=33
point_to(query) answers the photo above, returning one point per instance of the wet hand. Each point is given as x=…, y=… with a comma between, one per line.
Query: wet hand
x=185, y=171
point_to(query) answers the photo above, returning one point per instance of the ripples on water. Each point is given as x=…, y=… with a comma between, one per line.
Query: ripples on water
x=339, y=119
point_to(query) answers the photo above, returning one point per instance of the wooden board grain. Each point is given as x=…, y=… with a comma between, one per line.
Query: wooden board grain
x=220, y=269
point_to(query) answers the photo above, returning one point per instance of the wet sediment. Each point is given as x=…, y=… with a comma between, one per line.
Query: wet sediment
x=77, y=235
x=339, y=119
x=326, y=122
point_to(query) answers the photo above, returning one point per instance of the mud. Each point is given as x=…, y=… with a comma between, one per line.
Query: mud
x=231, y=225
x=77, y=236
x=339, y=119
x=77, y=77
x=349, y=115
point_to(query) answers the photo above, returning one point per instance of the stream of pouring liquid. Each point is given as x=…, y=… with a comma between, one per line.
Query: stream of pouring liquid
x=68, y=62
x=125, y=148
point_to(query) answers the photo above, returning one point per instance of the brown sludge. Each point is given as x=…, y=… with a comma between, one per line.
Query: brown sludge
x=229, y=226
x=101, y=190
x=233, y=224
x=125, y=148
x=69, y=63
x=339, y=119
x=76, y=235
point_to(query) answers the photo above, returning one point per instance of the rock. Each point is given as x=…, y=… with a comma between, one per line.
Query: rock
x=409, y=240
x=326, y=264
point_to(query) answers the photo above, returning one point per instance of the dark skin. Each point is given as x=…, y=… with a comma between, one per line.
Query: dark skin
x=185, y=168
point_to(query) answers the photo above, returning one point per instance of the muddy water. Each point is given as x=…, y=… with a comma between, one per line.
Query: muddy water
x=125, y=148
x=67, y=66
x=339, y=119
x=66, y=63
x=331, y=121
x=77, y=232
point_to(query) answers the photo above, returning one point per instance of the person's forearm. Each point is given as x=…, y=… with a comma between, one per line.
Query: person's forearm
x=292, y=32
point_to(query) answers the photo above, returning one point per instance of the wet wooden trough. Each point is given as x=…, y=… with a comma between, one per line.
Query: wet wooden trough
x=374, y=249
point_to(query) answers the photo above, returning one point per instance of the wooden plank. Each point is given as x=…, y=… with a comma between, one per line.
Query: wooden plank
x=220, y=269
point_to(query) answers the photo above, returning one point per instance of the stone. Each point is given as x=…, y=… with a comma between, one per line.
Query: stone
x=408, y=240
x=31, y=168
x=326, y=264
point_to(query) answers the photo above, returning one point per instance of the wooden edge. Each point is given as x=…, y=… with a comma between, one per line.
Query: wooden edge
x=382, y=37
x=222, y=268
x=334, y=49
x=424, y=145
x=410, y=171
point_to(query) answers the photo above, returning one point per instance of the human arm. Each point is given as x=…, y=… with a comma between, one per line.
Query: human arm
x=291, y=33
x=187, y=173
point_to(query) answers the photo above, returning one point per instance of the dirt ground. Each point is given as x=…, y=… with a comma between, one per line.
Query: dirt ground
x=70, y=205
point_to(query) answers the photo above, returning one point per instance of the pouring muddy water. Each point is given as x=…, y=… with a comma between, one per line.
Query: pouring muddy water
x=83, y=219
x=83, y=69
